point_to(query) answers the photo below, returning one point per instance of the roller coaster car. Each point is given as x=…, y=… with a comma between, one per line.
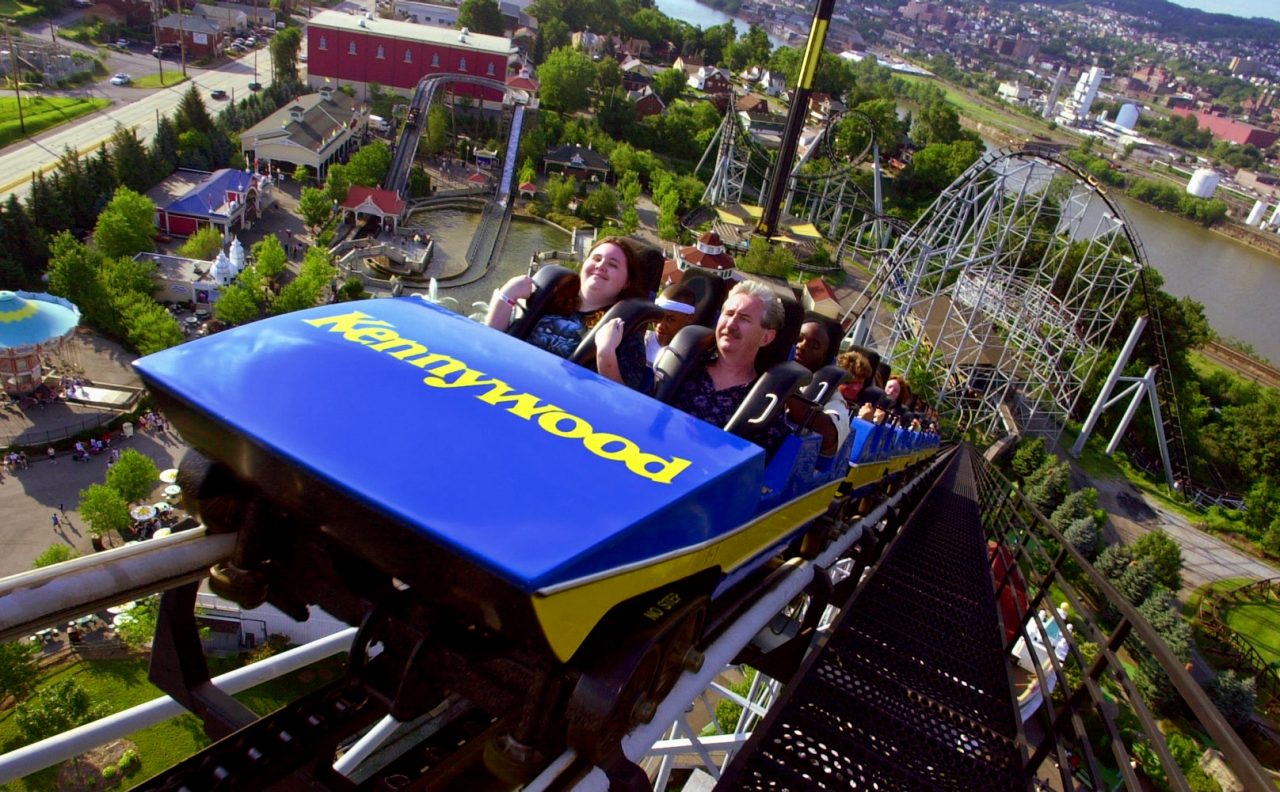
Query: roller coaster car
x=506, y=524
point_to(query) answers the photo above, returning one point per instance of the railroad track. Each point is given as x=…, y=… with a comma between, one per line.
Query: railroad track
x=1242, y=364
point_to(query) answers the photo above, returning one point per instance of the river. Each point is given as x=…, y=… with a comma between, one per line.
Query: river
x=1237, y=284
x=704, y=16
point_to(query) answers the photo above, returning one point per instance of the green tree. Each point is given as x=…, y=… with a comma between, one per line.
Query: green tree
x=766, y=258
x=337, y=183
x=1076, y=505
x=669, y=84
x=1028, y=458
x=203, y=245
x=148, y=327
x=18, y=668
x=528, y=172
x=134, y=476
x=270, y=258
x=1165, y=556
x=131, y=161
x=560, y=191
x=138, y=630
x=73, y=273
x=192, y=114
x=1235, y=696
x=1082, y=534
x=103, y=509
x=600, y=205
x=437, y=137
x=57, y=708
x=315, y=274
x=315, y=207
x=1138, y=581
x=236, y=306
x=302, y=174
x=24, y=244
x=284, y=47
x=126, y=226
x=480, y=16
x=565, y=77
x=55, y=554
x=1113, y=561
x=369, y=165
x=938, y=122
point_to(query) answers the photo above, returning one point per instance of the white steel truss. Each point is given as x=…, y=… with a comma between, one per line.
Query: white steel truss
x=1004, y=292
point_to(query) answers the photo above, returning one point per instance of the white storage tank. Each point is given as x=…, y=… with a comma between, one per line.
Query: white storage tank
x=1255, y=214
x=1128, y=116
x=1204, y=182
x=1275, y=216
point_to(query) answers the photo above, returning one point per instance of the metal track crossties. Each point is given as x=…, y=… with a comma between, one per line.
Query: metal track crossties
x=912, y=690
x=1005, y=292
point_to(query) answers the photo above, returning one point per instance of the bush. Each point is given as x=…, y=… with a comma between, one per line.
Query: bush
x=1028, y=457
x=1162, y=612
x=110, y=772
x=275, y=645
x=1083, y=536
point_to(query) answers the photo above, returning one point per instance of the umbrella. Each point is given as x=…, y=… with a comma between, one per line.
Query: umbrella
x=172, y=491
x=162, y=507
x=121, y=619
x=142, y=513
x=169, y=476
x=123, y=607
x=161, y=532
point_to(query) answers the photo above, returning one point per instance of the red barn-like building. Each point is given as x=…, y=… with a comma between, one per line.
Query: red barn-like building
x=357, y=50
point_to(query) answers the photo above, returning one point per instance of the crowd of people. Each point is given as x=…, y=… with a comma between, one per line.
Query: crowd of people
x=750, y=318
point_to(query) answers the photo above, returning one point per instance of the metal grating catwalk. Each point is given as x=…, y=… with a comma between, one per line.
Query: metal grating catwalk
x=912, y=690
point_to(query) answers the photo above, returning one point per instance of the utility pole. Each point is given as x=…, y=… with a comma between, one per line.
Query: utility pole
x=182, y=39
x=13, y=74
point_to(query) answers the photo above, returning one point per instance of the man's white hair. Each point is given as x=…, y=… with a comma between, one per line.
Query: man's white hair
x=773, y=310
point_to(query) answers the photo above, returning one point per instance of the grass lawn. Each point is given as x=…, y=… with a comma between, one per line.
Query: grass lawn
x=117, y=685
x=19, y=12
x=153, y=80
x=1258, y=622
x=41, y=113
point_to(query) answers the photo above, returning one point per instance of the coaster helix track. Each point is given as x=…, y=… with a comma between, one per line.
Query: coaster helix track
x=1006, y=290
x=822, y=188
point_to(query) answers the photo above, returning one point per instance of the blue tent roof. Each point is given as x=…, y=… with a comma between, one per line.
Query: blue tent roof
x=211, y=193
x=27, y=318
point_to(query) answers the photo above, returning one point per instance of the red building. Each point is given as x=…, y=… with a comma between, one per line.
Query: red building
x=349, y=49
x=1232, y=130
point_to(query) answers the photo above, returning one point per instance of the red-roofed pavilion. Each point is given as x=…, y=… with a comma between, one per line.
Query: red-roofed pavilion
x=375, y=202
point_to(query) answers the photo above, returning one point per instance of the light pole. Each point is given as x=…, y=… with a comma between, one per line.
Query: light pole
x=13, y=70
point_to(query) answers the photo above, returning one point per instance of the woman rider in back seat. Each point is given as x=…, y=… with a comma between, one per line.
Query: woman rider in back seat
x=610, y=274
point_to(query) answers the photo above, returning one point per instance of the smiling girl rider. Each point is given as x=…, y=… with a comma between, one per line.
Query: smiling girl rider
x=609, y=275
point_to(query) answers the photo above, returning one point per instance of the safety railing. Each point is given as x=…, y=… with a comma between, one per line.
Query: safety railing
x=1094, y=727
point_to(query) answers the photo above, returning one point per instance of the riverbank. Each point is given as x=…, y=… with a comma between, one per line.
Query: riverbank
x=1254, y=238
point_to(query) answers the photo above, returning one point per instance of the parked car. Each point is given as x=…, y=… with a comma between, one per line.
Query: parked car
x=120, y=78
x=122, y=43
x=157, y=52
x=255, y=86
x=217, y=93
x=251, y=42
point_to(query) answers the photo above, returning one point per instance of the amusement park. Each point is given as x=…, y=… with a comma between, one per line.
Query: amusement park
x=459, y=413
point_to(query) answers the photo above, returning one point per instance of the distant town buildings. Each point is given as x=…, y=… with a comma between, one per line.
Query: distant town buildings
x=1231, y=130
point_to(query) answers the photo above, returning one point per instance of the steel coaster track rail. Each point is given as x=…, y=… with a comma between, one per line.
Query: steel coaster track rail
x=1040, y=563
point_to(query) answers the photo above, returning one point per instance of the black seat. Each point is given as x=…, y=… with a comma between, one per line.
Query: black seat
x=649, y=270
x=709, y=293
x=783, y=343
x=635, y=314
x=677, y=360
x=551, y=280
x=824, y=384
x=835, y=332
x=767, y=400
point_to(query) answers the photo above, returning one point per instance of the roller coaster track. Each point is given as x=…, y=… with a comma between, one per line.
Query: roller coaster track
x=1238, y=647
x=294, y=741
x=901, y=686
x=423, y=95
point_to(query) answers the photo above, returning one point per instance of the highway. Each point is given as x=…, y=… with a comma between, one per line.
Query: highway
x=134, y=108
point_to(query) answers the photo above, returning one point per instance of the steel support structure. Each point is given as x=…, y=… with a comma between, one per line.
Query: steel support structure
x=1006, y=291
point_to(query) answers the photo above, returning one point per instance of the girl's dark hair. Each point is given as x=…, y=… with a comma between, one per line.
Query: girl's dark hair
x=567, y=298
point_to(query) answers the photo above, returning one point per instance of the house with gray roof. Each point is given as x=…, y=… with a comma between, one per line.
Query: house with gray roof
x=315, y=130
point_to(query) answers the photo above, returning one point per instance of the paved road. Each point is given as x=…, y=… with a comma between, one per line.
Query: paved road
x=1205, y=557
x=132, y=108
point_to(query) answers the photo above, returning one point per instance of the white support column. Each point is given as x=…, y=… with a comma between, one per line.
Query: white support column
x=1108, y=386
